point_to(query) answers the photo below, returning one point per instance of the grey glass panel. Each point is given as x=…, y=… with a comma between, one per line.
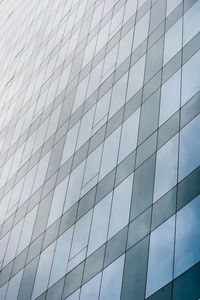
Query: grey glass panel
x=120, y=206
x=173, y=41
x=166, y=168
x=190, y=78
x=135, y=271
x=90, y=290
x=143, y=187
x=170, y=97
x=112, y=280
x=189, y=148
x=160, y=265
x=191, y=22
x=187, y=251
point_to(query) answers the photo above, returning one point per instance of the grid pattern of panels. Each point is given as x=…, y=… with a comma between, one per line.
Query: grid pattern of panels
x=100, y=149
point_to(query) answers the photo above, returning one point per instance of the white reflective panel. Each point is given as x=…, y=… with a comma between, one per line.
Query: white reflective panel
x=59, y=266
x=28, y=183
x=89, y=51
x=95, y=79
x=3, y=291
x=166, y=168
x=53, y=122
x=125, y=46
x=112, y=280
x=41, y=132
x=136, y=77
x=102, y=37
x=171, y=5
x=187, y=250
x=189, y=158
x=43, y=271
x=173, y=41
x=13, y=288
x=58, y=201
x=13, y=243
x=191, y=22
x=100, y=221
x=130, y=9
x=90, y=290
x=190, y=78
x=141, y=30
x=92, y=164
x=74, y=296
x=81, y=234
x=85, y=128
x=120, y=206
x=74, y=186
x=80, y=93
x=70, y=143
x=16, y=193
x=161, y=253
x=170, y=97
x=41, y=172
x=118, y=95
x=3, y=246
x=102, y=107
x=110, y=147
x=27, y=229
x=109, y=62
x=129, y=135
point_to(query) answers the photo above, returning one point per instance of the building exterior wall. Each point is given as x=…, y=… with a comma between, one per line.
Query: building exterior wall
x=100, y=150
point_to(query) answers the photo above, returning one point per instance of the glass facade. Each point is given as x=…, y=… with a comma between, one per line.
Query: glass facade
x=100, y=150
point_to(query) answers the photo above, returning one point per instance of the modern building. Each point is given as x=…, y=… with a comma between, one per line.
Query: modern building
x=100, y=149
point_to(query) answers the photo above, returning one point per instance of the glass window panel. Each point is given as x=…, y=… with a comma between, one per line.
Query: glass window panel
x=109, y=62
x=187, y=251
x=58, y=201
x=80, y=93
x=189, y=148
x=130, y=9
x=13, y=288
x=112, y=280
x=118, y=95
x=13, y=243
x=110, y=146
x=171, y=5
x=120, y=206
x=141, y=30
x=170, y=97
x=166, y=168
x=53, y=122
x=125, y=46
x=90, y=290
x=92, y=164
x=129, y=135
x=136, y=77
x=102, y=107
x=81, y=234
x=59, y=266
x=190, y=78
x=160, y=265
x=41, y=172
x=100, y=223
x=89, y=51
x=40, y=135
x=70, y=142
x=3, y=246
x=85, y=128
x=74, y=296
x=74, y=187
x=43, y=271
x=27, y=230
x=173, y=41
x=191, y=22
x=116, y=21
x=102, y=37
x=95, y=78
